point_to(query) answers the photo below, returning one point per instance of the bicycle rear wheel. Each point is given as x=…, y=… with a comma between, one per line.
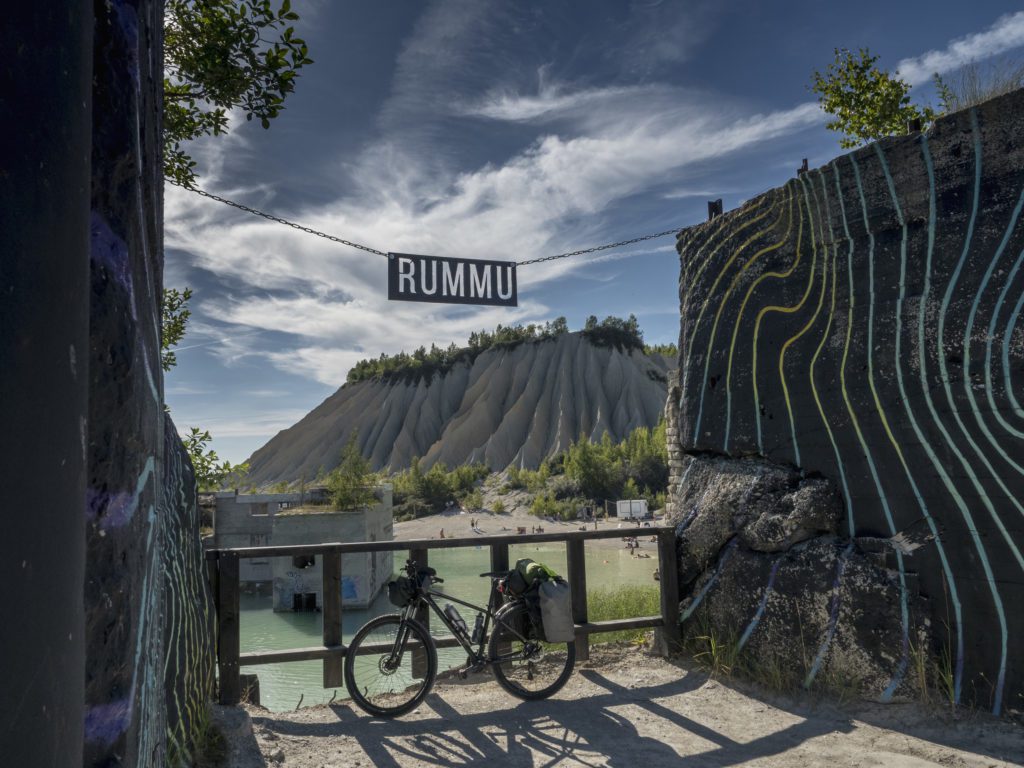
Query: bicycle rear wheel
x=530, y=669
x=390, y=665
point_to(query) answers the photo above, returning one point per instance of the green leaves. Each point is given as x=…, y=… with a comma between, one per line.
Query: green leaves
x=174, y=317
x=351, y=484
x=209, y=471
x=868, y=103
x=223, y=55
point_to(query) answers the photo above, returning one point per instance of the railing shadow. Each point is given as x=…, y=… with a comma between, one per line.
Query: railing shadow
x=587, y=731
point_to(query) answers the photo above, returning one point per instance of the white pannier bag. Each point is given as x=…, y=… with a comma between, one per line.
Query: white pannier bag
x=556, y=611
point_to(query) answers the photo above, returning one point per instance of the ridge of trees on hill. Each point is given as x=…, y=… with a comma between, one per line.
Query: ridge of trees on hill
x=423, y=363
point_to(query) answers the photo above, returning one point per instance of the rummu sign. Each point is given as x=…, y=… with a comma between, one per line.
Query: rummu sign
x=443, y=280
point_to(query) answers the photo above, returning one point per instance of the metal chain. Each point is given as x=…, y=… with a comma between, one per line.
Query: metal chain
x=279, y=220
x=600, y=247
x=335, y=239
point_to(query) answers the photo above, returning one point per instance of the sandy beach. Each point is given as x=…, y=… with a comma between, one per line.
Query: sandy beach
x=456, y=524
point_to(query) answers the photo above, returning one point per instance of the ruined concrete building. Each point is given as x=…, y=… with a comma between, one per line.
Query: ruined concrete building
x=265, y=519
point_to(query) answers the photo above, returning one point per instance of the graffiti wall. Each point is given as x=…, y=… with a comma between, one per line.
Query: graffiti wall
x=148, y=615
x=864, y=323
x=188, y=610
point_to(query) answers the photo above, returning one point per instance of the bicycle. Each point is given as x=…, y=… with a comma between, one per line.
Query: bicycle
x=391, y=663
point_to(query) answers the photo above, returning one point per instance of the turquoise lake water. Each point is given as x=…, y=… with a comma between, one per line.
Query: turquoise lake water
x=282, y=685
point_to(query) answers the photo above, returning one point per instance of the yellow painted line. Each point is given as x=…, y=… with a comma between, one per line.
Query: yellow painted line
x=807, y=326
x=781, y=309
x=721, y=272
x=753, y=287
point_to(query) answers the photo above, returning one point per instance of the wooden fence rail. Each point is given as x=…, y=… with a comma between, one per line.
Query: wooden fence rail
x=224, y=579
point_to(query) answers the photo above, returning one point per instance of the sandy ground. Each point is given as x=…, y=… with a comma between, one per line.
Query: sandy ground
x=622, y=708
x=457, y=525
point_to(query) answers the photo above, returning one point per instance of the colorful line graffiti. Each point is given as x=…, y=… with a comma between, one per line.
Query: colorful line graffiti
x=873, y=336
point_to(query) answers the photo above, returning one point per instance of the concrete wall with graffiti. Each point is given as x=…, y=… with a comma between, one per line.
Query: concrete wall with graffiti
x=148, y=609
x=863, y=324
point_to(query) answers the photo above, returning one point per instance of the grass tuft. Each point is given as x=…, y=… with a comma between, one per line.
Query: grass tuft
x=623, y=602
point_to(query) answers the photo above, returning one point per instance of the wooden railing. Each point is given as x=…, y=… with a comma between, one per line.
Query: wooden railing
x=224, y=578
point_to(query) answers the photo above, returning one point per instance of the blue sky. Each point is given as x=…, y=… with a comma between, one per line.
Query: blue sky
x=503, y=130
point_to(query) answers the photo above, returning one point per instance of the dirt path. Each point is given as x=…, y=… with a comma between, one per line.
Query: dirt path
x=623, y=708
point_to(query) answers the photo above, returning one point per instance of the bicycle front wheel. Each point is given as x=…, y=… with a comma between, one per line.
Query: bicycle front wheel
x=390, y=665
x=528, y=669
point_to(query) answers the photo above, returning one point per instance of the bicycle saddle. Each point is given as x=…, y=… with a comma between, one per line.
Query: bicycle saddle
x=494, y=574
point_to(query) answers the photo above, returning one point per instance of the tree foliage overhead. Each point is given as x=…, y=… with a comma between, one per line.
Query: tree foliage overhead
x=174, y=318
x=221, y=55
x=867, y=103
x=211, y=473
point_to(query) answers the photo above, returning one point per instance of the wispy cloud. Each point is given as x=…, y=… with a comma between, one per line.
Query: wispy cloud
x=531, y=204
x=684, y=193
x=1004, y=35
x=187, y=390
x=555, y=100
x=251, y=424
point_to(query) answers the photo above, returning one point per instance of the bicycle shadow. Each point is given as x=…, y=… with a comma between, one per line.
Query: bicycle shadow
x=586, y=731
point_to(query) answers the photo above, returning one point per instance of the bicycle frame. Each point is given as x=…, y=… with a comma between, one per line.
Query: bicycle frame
x=426, y=596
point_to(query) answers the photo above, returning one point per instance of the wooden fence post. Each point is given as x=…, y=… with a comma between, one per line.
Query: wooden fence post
x=577, y=565
x=668, y=637
x=333, y=676
x=228, y=636
x=499, y=562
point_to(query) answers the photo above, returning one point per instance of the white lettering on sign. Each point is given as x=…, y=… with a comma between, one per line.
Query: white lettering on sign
x=508, y=284
x=423, y=277
x=487, y=282
x=452, y=286
x=406, y=275
x=480, y=281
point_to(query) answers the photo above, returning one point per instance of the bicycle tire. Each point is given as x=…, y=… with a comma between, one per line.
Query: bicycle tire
x=382, y=692
x=552, y=663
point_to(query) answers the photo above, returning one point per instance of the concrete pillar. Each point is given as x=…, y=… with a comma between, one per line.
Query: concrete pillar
x=45, y=84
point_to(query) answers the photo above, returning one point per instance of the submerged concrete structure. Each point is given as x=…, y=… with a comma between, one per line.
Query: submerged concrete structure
x=265, y=519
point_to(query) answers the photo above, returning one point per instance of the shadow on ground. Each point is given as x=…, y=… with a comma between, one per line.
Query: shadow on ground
x=588, y=731
x=630, y=724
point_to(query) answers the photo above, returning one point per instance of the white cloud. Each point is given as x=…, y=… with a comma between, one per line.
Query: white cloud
x=684, y=193
x=258, y=423
x=1005, y=34
x=514, y=211
x=185, y=390
x=554, y=100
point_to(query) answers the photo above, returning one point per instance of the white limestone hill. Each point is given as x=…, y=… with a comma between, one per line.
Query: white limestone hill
x=511, y=405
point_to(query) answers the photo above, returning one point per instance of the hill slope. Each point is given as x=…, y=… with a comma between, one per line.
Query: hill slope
x=511, y=405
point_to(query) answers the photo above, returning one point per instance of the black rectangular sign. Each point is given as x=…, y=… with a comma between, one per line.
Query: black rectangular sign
x=443, y=280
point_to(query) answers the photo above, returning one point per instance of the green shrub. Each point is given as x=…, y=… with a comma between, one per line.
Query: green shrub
x=546, y=505
x=418, y=493
x=351, y=484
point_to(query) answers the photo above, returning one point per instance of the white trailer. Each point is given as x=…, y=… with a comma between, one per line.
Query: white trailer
x=631, y=509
